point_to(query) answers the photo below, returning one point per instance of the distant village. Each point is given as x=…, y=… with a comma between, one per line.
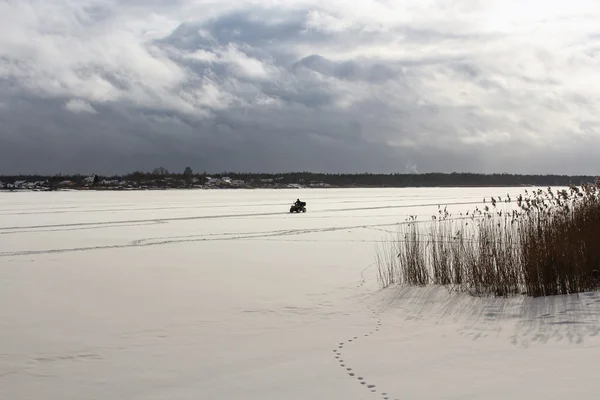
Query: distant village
x=162, y=179
x=169, y=182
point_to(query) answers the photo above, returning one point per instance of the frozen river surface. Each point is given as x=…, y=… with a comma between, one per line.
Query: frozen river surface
x=225, y=295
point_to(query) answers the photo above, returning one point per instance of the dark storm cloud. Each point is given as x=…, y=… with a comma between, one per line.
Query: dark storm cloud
x=105, y=86
x=251, y=28
x=348, y=70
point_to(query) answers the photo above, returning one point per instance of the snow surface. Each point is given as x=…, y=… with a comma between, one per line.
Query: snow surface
x=224, y=295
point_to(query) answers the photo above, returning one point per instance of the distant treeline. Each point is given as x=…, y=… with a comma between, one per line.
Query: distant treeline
x=339, y=180
x=418, y=180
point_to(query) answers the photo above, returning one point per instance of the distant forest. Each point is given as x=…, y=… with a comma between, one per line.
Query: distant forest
x=418, y=180
x=336, y=180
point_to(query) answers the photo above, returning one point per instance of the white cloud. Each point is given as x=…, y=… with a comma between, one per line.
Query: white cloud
x=243, y=64
x=78, y=106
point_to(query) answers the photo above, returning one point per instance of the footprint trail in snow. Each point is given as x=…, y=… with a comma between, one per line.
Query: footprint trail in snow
x=339, y=350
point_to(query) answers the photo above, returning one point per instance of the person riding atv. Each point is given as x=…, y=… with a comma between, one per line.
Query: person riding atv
x=298, y=206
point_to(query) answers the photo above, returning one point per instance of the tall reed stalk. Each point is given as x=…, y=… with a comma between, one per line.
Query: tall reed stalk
x=549, y=244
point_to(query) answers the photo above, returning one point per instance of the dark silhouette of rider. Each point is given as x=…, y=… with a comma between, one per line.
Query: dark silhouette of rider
x=298, y=203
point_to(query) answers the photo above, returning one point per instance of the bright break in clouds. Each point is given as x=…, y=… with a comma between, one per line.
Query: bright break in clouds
x=336, y=86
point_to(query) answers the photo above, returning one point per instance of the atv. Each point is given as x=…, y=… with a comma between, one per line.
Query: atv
x=301, y=207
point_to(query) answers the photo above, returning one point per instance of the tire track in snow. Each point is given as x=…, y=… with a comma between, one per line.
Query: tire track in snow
x=220, y=216
x=136, y=221
x=160, y=241
x=338, y=352
x=183, y=205
x=133, y=207
x=125, y=225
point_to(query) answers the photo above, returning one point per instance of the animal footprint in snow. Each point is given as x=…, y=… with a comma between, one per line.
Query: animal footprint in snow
x=376, y=319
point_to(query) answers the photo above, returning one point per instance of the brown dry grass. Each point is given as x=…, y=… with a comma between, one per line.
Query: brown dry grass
x=548, y=245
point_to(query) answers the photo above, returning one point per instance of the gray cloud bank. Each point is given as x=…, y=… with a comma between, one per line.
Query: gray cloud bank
x=381, y=86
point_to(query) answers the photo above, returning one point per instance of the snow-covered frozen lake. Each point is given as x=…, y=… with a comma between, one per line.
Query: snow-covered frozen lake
x=225, y=295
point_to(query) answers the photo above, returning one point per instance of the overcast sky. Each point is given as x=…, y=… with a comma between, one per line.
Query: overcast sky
x=111, y=86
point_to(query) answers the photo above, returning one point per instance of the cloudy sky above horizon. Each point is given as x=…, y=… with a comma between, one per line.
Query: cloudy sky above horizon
x=111, y=86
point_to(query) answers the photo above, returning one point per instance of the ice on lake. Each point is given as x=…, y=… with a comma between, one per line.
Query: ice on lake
x=224, y=294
